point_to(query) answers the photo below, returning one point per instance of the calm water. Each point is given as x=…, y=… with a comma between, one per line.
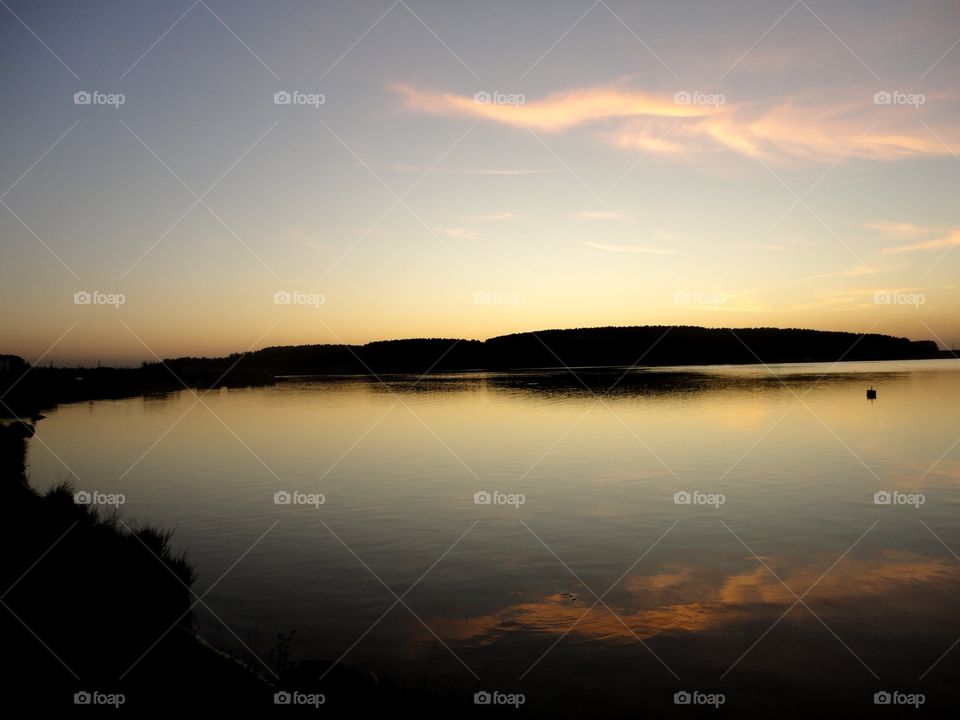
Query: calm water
x=690, y=591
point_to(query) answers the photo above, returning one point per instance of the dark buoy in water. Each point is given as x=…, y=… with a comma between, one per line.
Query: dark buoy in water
x=871, y=394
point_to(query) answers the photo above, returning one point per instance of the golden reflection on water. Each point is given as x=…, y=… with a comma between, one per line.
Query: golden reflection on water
x=683, y=599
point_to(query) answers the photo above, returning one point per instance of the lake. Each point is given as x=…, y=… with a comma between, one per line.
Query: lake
x=598, y=539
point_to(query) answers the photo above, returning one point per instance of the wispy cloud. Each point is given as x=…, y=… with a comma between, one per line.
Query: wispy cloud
x=953, y=238
x=902, y=229
x=601, y=215
x=480, y=172
x=559, y=111
x=923, y=237
x=458, y=233
x=855, y=271
x=857, y=298
x=785, y=131
x=494, y=217
x=300, y=237
x=639, y=249
x=654, y=123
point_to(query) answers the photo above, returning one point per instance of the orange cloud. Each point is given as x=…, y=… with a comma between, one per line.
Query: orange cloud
x=901, y=229
x=559, y=111
x=948, y=240
x=826, y=136
x=661, y=124
x=785, y=131
x=600, y=215
x=458, y=233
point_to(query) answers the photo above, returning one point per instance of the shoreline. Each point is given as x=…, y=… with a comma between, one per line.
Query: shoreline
x=114, y=609
x=26, y=390
x=80, y=385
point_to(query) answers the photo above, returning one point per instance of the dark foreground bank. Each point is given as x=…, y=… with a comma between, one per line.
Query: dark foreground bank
x=98, y=612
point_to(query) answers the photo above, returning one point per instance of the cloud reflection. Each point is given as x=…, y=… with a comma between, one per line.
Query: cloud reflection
x=689, y=599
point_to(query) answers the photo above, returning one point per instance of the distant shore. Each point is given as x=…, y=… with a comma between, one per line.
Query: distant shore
x=27, y=391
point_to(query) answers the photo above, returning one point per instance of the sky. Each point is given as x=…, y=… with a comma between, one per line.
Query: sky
x=200, y=178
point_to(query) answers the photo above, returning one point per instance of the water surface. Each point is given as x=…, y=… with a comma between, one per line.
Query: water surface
x=797, y=585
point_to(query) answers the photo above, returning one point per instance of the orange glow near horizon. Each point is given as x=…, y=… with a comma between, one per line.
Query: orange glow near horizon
x=774, y=176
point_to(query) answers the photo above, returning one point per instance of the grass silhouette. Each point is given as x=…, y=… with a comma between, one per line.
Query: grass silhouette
x=94, y=605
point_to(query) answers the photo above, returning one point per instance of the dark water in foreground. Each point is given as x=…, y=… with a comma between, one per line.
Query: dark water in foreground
x=782, y=582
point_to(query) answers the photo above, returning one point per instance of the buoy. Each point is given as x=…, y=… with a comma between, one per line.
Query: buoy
x=871, y=394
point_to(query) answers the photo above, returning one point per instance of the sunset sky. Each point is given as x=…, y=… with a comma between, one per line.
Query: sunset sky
x=473, y=169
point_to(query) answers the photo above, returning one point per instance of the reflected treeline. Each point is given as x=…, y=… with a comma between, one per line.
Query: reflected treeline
x=26, y=391
x=625, y=382
x=611, y=383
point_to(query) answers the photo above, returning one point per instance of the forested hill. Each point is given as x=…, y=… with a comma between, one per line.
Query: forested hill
x=28, y=390
x=648, y=345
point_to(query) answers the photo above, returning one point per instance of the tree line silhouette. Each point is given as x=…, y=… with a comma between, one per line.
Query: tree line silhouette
x=652, y=345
